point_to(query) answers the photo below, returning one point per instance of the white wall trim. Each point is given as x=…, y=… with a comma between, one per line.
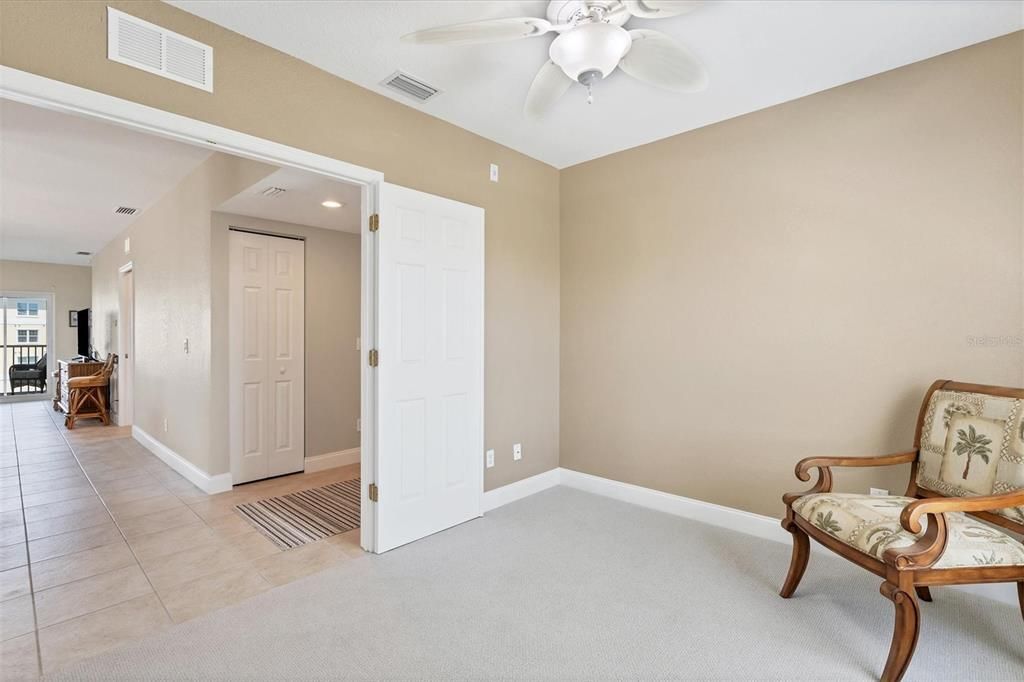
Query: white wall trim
x=761, y=526
x=712, y=514
x=30, y=88
x=330, y=460
x=209, y=484
x=498, y=497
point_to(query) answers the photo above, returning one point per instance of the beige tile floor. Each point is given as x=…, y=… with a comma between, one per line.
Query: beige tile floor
x=101, y=542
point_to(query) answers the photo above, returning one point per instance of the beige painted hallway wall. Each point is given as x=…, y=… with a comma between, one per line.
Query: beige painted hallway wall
x=333, y=276
x=788, y=283
x=71, y=286
x=266, y=93
x=173, y=273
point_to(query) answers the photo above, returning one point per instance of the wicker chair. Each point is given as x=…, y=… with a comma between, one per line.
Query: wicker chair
x=89, y=392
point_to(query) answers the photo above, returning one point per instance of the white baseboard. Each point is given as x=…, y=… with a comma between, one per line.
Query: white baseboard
x=758, y=525
x=329, y=460
x=516, y=491
x=210, y=484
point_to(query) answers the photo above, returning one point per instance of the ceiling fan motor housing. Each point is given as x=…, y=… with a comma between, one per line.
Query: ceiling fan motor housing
x=590, y=47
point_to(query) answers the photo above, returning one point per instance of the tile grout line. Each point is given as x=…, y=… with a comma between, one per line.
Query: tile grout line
x=116, y=525
x=28, y=554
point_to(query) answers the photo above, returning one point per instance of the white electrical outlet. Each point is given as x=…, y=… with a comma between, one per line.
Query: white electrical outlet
x=490, y=458
x=359, y=424
x=359, y=343
x=165, y=424
x=880, y=492
x=517, y=451
x=127, y=245
x=494, y=172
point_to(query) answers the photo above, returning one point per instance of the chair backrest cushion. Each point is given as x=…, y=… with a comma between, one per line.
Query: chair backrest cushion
x=973, y=444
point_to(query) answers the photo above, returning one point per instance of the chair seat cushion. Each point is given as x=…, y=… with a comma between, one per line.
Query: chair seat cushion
x=871, y=524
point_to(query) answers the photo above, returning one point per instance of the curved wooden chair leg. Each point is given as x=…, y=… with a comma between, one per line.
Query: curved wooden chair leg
x=798, y=564
x=905, y=632
x=923, y=593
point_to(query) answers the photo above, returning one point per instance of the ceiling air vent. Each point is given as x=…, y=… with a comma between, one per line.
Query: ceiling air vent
x=125, y=210
x=272, y=191
x=409, y=86
x=154, y=49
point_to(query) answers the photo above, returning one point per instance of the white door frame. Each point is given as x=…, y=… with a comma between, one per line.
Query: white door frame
x=51, y=340
x=29, y=88
x=125, y=347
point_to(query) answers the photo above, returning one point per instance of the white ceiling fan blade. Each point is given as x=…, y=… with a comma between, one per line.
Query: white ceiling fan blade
x=492, y=31
x=549, y=84
x=656, y=59
x=659, y=9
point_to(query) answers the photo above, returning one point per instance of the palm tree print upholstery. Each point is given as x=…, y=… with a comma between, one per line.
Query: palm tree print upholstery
x=973, y=444
x=871, y=524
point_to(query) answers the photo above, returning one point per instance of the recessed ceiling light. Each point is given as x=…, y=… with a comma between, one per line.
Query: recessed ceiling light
x=330, y=204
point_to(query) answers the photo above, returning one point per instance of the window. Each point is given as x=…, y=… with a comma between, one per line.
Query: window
x=28, y=335
x=27, y=308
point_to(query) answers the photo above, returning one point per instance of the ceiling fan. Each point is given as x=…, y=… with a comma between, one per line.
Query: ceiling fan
x=591, y=43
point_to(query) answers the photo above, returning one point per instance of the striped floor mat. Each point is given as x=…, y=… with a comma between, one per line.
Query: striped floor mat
x=292, y=520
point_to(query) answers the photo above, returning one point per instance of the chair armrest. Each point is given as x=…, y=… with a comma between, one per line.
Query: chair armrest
x=910, y=519
x=824, y=466
x=927, y=550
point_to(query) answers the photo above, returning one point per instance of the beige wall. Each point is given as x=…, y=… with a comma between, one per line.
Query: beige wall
x=333, y=272
x=173, y=272
x=71, y=286
x=268, y=94
x=789, y=282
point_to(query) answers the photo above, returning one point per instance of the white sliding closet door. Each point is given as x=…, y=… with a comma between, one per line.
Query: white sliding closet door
x=267, y=356
x=430, y=401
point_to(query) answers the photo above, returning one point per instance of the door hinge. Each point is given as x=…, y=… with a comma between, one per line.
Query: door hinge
x=374, y=222
x=373, y=358
x=373, y=492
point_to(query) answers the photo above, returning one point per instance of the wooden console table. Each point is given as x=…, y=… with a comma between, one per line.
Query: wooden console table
x=67, y=369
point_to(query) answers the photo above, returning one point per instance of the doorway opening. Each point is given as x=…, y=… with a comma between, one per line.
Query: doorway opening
x=26, y=345
x=421, y=319
x=122, y=389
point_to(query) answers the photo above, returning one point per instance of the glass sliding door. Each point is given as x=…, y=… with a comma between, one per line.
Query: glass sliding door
x=26, y=335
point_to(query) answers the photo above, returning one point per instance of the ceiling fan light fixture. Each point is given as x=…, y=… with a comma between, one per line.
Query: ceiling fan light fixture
x=590, y=47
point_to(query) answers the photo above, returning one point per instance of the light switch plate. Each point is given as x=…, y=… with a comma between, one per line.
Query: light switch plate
x=517, y=451
x=494, y=172
x=490, y=458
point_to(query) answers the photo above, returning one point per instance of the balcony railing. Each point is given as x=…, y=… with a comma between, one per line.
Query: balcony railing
x=21, y=375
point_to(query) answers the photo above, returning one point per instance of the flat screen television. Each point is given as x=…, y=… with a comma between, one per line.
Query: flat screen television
x=84, y=324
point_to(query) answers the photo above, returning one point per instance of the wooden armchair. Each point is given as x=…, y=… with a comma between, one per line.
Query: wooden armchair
x=87, y=396
x=968, y=459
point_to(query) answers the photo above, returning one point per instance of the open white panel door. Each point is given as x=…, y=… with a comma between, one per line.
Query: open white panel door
x=431, y=365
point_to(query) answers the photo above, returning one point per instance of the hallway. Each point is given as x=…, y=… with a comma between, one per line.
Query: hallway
x=103, y=543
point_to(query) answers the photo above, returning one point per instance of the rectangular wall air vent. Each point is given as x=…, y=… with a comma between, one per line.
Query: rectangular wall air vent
x=409, y=86
x=154, y=49
x=125, y=210
x=272, y=191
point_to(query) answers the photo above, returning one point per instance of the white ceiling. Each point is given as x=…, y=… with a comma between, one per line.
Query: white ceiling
x=758, y=54
x=300, y=203
x=62, y=177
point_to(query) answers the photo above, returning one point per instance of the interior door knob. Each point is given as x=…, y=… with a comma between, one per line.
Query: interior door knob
x=281, y=371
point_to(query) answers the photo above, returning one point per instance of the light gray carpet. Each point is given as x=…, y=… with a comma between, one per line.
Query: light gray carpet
x=566, y=585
